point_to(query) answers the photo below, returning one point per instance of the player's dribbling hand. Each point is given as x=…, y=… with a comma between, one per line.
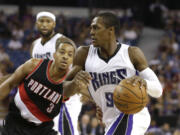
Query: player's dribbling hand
x=99, y=114
x=137, y=79
x=82, y=79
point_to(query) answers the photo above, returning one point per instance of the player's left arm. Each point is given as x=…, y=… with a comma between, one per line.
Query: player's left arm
x=150, y=79
x=17, y=77
x=3, y=78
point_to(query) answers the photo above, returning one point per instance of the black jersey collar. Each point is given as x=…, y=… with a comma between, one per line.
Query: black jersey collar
x=108, y=59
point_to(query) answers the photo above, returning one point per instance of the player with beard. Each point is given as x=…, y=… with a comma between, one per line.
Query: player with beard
x=44, y=47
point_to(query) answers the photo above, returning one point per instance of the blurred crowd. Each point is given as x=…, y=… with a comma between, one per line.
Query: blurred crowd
x=165, y=111
x=17, y=33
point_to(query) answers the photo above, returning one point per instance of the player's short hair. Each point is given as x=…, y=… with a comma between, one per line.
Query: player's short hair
x=65, y=40
x=110, y=20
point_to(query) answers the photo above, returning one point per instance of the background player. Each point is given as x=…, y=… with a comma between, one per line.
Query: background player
x=44, y=47
x=108, y=62
x=39, y=95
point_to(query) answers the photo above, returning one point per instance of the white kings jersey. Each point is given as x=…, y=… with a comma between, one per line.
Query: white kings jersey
x=45, y=51
x=105, y=77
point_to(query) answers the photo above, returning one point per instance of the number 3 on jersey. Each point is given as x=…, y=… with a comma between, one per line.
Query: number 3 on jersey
x=109, y=99
x=50, y=108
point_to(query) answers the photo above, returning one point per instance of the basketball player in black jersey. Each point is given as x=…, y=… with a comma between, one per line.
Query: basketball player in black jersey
x=44, y=47
x=39, y=95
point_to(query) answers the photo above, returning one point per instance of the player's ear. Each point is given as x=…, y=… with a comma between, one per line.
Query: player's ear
x=111, y=29
x=54, y=55
x=54, y=25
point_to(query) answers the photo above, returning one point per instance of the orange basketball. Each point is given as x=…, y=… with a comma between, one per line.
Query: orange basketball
x=130, y=99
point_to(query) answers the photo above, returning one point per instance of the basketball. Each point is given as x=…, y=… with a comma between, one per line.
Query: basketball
x=130, y=99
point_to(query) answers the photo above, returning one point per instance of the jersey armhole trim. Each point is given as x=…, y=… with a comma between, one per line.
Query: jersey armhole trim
x=35, y=69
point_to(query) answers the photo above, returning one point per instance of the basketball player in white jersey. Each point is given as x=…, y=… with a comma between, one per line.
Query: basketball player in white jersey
x=44, y=47
x=102, y=65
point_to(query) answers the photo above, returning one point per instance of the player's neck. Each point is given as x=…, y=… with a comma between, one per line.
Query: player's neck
x=45, y=39
x=55, y=73
x=108, y=50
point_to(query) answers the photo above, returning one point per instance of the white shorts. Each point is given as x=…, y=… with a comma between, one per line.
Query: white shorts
x=136, y=124
x=67, y=120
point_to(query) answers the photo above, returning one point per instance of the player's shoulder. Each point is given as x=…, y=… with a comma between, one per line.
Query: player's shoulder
x=34, y=43
x=59, y=34
x=63, y=38
x=81, y=54
x=83, y=49
x=33, y=62
x=133, y=50
x=36, y=40
x=137, y=58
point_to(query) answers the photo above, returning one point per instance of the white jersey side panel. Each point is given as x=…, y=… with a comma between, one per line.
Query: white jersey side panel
x=106, y=76
x=45, y=51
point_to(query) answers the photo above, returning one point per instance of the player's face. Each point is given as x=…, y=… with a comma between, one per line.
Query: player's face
x=45, y=26
x=99, y=33
x=64, y=56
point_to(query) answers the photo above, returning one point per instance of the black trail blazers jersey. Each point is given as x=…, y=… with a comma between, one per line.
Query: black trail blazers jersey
x=39, y=98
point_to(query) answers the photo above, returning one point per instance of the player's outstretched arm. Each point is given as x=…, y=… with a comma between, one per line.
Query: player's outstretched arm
x=17, y=77
x=77, y=79
x=139, y=61
x=3, y=78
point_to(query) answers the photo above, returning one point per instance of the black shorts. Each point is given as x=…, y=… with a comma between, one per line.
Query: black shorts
x=14, y=124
